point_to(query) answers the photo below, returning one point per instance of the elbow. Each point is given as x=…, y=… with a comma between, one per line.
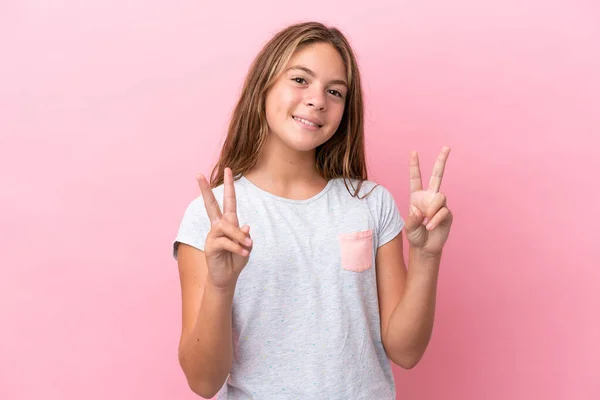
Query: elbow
x=407, y=362
x=200, y=385
x=203, y=389
x=405, y=358
x=405, y=355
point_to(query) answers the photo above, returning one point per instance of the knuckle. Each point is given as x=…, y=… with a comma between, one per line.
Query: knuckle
x=209, y=247
x=213, y=232
x=221, y=224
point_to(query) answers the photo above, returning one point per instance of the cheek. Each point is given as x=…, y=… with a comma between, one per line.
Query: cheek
x=337, y=112
x=280, y=102
x=272, y=105
x=289, y=99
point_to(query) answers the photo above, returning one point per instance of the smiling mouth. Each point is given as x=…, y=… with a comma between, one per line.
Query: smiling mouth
x=307, y=122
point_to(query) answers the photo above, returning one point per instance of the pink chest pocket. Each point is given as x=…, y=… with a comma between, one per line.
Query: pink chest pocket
x=356, y=250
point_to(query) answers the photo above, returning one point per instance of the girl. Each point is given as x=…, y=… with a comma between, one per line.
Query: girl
x=292, y=272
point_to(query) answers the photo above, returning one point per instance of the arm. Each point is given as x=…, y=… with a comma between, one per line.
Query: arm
x=407, y=301
x=205, y=347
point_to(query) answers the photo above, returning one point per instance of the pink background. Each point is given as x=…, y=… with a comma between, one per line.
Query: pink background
x=108, y=109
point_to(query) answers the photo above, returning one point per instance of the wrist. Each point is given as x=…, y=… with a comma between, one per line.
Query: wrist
x=421, y=260
x=425, y=255
x=225, y=292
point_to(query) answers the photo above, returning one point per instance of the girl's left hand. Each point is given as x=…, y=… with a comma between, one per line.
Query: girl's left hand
x=429, y=220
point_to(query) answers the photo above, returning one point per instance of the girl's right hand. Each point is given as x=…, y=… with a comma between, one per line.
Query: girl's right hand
x=227, y=245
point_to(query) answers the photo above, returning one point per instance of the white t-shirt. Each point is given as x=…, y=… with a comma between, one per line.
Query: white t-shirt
x=305, y=311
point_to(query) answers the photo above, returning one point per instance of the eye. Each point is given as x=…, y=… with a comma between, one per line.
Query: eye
x=336, y=93
x=299, y=80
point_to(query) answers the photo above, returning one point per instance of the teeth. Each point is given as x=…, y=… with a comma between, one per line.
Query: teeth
x=305, y=121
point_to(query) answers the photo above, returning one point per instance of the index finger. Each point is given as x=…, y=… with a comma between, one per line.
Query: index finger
x=229, y=200
x=438, y=170
x=415, y=173
x=210, y=202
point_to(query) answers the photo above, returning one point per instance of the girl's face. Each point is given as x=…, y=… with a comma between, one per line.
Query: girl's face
x=305, y=105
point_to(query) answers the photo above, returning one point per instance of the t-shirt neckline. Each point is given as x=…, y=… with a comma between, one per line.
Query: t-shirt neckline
x=265, y=193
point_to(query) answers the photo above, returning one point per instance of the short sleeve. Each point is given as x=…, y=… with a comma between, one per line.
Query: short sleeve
x=390, y=220
x=194, y=226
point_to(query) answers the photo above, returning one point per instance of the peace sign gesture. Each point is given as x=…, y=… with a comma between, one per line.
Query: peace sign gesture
x=227, y=245
x=429, y=219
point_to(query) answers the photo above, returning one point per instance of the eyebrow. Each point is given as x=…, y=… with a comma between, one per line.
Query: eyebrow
x=311, y=73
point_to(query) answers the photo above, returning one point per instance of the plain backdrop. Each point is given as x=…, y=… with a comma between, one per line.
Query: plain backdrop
x=108, y=109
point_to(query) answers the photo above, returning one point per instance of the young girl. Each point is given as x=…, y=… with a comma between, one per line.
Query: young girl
x=294, y=284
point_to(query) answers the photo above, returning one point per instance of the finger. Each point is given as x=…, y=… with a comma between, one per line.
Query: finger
x=229, y=201
x=226, y=244
x=437, y=202
x=438, y=218
x=438, y=170
x=415, y=172
x=246, y=230
x=224, y=228
x=210, y=202
x=415, y=219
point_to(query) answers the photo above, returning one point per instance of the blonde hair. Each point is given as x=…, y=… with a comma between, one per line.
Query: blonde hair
x=343, y=155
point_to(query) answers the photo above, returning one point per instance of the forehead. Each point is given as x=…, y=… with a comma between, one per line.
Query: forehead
x=322, y=58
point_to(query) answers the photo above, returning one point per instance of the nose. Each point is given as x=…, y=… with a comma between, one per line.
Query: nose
x=316, y=99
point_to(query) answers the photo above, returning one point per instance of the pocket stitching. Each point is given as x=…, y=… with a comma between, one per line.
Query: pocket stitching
x=365, y=236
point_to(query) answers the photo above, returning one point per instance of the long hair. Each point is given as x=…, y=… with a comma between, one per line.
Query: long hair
x=342, y=156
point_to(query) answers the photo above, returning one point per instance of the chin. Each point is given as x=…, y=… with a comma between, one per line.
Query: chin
x=304, y=144
x=300, y=144
x=306, y=139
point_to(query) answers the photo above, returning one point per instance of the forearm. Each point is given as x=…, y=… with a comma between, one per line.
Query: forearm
x=206, y=353
x=411, y=323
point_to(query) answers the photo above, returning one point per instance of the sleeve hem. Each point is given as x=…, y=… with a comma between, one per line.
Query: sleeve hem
x=391, y=235
x=185, y=240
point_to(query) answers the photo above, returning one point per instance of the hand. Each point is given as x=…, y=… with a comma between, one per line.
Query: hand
x=227, y=245
x=429, y=218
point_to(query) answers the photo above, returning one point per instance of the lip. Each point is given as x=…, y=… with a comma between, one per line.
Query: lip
x=311, y=119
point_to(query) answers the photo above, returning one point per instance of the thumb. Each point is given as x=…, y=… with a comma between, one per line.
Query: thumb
x=415, y=219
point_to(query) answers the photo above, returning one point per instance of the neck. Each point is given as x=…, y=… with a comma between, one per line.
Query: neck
x=286, y=172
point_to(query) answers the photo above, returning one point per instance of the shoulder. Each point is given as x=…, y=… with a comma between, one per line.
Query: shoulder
x=380, y=202
x=368, y=190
